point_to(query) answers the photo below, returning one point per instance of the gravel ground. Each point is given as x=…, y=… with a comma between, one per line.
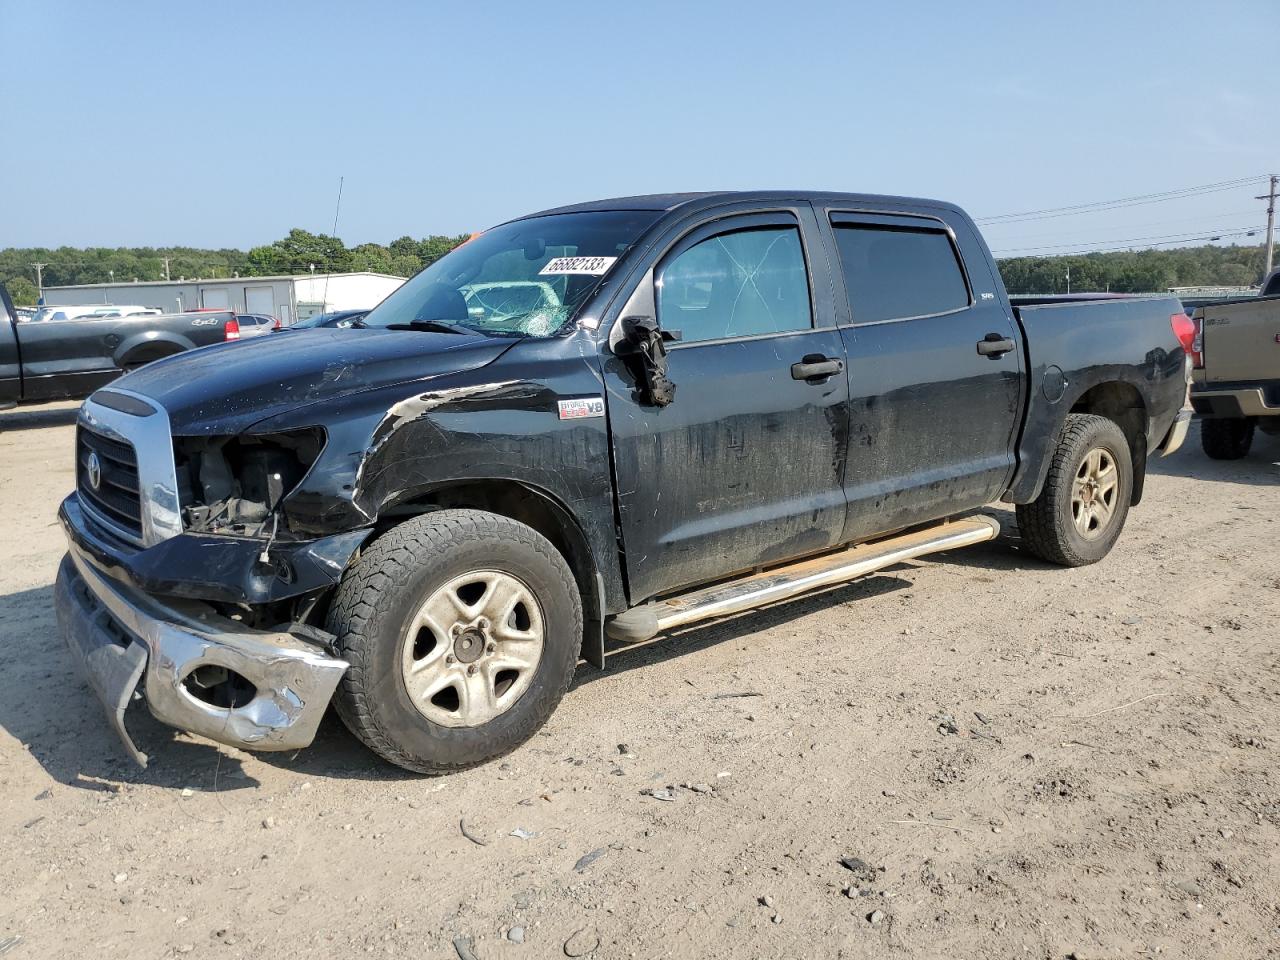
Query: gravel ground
x=973, y=756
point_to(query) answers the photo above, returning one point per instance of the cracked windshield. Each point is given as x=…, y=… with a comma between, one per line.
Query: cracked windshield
x=526, y=278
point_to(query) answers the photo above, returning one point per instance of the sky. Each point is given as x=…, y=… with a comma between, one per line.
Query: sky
x=225, y=124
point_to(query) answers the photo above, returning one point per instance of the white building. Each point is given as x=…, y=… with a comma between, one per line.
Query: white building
x=288, y=298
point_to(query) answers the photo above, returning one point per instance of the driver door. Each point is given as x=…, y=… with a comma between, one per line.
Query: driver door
x=745, y=466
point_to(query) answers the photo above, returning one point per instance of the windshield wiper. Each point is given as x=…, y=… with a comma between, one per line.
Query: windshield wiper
x=435, y=326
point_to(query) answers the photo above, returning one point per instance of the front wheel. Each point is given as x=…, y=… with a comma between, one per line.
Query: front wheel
x=1082, y=508
x=462, y=629
x=1227, y=438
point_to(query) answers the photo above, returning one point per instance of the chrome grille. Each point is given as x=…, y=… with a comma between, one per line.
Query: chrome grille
x=115, y=499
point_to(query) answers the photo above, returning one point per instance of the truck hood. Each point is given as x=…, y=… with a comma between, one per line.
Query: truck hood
x=226, y=388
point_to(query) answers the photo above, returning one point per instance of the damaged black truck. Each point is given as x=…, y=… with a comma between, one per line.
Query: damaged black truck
x=606, y=420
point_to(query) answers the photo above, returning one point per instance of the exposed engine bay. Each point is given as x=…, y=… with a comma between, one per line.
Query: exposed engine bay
x=234, y=484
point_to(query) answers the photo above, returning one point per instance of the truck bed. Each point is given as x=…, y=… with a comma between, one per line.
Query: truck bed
x=1074, y=344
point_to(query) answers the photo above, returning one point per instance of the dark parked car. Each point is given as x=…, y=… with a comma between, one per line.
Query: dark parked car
x=69, y=359
x=340, y=319
x=658, y=410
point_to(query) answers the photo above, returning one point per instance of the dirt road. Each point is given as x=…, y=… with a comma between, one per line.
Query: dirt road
x=1016, y=761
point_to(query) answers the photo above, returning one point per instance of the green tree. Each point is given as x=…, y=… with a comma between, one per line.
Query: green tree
x=22, y=291
x=298, y=253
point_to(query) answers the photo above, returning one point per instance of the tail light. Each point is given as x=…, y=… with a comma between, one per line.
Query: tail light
x=1190, y=335
x=275, y=323
x=231, y=329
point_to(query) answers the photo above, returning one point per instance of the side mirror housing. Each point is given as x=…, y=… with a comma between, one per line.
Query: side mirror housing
x=644, y=348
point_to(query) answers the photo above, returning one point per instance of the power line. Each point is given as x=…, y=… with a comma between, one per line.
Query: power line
x=1049, y=213
x=1128, y=244
x=1126, y=227
x=1165, y=238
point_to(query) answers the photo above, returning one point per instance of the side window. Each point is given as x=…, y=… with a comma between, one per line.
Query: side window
x=738, y=284
x=892, y=272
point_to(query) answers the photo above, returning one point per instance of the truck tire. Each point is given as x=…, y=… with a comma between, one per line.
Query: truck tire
x=462, y=629
x=1228, y=438
x=1081, y=510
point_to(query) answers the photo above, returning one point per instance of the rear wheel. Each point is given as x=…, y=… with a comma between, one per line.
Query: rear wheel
x=1082, y=508
x=1226, y=438
x=462, y=629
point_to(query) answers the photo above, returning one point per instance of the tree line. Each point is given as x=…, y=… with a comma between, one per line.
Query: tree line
x=1136, y=271
x=1127, y=271
x=296, y=253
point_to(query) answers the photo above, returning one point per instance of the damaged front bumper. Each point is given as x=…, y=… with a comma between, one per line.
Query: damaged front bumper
x=126, y=642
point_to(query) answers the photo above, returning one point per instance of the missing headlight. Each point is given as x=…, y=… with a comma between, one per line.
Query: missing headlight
x=234, y=484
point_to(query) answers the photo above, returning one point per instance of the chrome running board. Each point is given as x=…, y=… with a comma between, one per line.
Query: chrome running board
x=783, y=583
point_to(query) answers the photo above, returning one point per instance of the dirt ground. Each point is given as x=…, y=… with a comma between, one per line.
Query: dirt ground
x=1011, y=760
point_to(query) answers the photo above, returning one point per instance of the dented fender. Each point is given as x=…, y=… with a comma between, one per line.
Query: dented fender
x=496, y=424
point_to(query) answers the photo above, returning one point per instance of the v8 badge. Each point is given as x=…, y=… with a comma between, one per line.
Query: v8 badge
x=581, y=408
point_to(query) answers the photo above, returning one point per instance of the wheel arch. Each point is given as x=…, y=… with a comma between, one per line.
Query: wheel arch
x=1123, y=404
x=147, y=347
x=532, y=506
x=1118, y=400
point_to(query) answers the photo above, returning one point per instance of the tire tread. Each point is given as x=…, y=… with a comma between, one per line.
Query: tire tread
x=386, y=567
x=1043, y=523
x=1226, y=438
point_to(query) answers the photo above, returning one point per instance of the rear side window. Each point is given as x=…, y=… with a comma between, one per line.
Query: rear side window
x=739, y=284
x=892, y=273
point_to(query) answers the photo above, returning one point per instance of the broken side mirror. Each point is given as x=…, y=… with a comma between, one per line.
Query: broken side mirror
x=644, y=347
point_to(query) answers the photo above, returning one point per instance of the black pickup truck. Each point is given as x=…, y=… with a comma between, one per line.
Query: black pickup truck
x=69, y=359
x=608, y=419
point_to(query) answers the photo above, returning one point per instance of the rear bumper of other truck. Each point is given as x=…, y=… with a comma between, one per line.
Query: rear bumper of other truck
x=1241, y=402
x=129, y=645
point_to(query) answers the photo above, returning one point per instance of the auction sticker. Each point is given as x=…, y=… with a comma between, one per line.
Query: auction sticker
x=581, y=266
x=581, y=408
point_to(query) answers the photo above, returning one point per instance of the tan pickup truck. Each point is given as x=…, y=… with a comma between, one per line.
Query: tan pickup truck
x=1235, y=386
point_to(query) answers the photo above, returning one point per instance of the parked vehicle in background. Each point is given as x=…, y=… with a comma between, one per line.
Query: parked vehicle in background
x=256, y=324
x=71, y=358
x=76, y=311
x=711, y=402
x=126, y=312
x=24, y=314
x=1236, y=370
x=340, y=319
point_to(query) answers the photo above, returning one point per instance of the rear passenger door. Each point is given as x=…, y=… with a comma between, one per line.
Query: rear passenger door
x=744, y=467
x=934, y=369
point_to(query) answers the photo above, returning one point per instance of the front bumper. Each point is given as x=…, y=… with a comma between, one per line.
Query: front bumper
x=121, y=638
x=215, y=568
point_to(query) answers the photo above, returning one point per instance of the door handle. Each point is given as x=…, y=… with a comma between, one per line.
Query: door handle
x=816, y=368
x=995, y=346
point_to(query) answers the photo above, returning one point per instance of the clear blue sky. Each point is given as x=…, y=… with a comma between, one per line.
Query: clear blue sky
x=227, y=123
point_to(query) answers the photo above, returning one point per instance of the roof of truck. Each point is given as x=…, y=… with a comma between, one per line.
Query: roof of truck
x=670, y=201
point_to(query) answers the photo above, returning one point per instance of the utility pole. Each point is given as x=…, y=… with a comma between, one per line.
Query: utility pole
x=40, y=280
x=1270, y=197
x=166, y=260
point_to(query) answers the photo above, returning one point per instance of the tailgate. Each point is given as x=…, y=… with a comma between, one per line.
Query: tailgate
x=1241, y=340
